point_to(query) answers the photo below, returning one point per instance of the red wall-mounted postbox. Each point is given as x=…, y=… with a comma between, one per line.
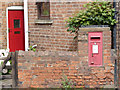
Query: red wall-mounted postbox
x=95, y=48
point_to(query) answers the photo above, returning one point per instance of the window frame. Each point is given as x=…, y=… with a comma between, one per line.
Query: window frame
x=39, y=9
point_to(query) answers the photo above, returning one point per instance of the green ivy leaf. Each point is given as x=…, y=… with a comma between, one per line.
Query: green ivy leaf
x=75, y=37
x=34, y=49
x=113, y=9
x=112, y=23
x=96, y=13
x=68, y=30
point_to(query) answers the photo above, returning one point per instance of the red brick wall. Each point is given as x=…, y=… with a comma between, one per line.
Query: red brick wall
x=48, y=37
x=53, y=37
x=45, y=69
x=118, y=41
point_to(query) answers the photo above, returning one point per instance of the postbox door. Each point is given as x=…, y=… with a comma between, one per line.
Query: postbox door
x=95, y=48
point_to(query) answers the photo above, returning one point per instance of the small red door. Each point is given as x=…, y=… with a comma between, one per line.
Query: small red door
x=16, y=30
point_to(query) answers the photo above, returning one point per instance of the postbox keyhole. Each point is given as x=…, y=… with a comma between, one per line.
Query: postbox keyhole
x=92, y=54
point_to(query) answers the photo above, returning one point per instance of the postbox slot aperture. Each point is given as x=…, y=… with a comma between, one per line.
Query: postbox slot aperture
x=95, y=37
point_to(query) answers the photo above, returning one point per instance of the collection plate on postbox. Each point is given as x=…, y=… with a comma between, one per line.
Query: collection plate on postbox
x=95, y=40
x=95, y=48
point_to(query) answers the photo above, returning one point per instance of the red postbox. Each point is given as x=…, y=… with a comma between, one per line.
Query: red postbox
x=95, y=48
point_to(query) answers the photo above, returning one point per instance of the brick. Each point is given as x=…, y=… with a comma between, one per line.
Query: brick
x=87, y=77
x=47, y=68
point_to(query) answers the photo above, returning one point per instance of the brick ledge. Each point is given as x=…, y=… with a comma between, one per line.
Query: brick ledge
x=43, y=21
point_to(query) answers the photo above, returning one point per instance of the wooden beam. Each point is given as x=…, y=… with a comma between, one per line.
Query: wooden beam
x=14, y=69
x=6, y=77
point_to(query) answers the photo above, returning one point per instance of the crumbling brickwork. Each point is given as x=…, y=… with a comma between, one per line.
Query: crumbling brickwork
x=46, y=69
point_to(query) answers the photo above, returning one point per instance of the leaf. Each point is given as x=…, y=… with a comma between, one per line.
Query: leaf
x=112, y=23
x=103, y=14
x=113, y=9
x=34, y=49
x=75, y=37
x=68, y=30
x=84, y=5
x=103, y=6
x=83, y=19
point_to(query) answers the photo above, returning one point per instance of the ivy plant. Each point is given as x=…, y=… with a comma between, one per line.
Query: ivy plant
x=66, y=83
x=95, y=13
x=32, y=48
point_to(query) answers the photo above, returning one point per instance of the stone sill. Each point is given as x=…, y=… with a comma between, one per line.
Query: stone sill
x=43, y=21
